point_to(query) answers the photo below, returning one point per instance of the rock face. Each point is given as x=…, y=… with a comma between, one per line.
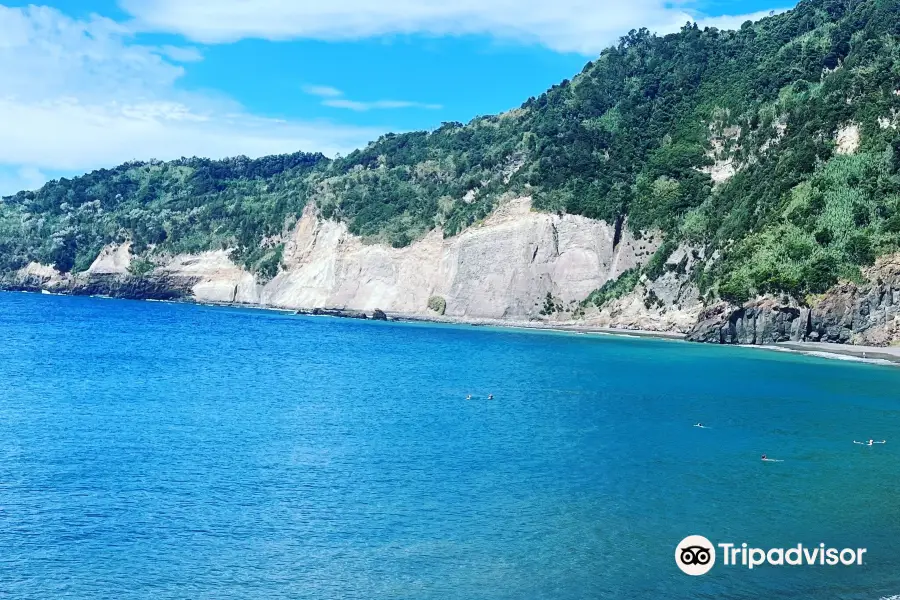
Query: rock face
x=763, y=321
x=157, y=286
x=214, y=278
x=669, y=303
x=207, y=277
x=849, y=313
x=113, y=260
x=502, y=269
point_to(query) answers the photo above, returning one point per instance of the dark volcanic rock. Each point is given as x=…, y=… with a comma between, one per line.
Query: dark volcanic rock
x=334, y=312
x=155, y=287
x=849, y=313
x=21, y=284
x=150, y=287
x=378, y=315
x=763, y=321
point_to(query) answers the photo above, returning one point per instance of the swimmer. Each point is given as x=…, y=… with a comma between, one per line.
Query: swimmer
x=490, y=396
x=469, y=397
x=767, y=459
x=870, y=442
x=700, y=425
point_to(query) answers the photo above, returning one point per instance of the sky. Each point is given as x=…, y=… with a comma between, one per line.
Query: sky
x=87, y=84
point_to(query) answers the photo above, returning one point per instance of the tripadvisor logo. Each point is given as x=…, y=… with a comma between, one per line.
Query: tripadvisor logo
x=696, y=555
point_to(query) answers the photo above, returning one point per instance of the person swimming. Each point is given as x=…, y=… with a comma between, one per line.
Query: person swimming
x=869, y=442
x=469, y=397
x=700, y=425
x=490, y=396
x=765, y=458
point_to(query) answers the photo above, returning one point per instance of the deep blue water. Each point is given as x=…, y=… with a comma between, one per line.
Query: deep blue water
x=154, y=450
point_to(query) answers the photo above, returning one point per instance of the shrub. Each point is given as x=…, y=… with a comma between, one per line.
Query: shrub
x=614, y=288
x=859, y=250
x=824, y=237
x=821, y=273
x=437, y=304
x=657, y=263
x=141, y=267
x=735, y=289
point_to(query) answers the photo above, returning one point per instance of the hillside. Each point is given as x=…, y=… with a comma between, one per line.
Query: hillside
x=772, y=153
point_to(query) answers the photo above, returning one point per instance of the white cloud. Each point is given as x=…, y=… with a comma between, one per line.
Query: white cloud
x=585, y=26
x=735, y=21
x=323, y=91
x=80, y=94
x=67, y=134
x=334, y=98
x=377, y=105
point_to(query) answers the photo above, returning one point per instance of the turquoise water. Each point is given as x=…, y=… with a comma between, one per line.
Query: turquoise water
x=154, y=450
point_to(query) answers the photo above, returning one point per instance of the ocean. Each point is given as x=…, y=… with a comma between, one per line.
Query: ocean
x=153, y=450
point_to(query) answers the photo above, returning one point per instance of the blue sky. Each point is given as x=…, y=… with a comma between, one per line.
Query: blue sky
x=93, y=83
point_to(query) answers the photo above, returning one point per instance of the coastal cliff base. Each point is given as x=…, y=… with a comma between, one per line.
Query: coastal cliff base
x=518, y=267
x=864, y=313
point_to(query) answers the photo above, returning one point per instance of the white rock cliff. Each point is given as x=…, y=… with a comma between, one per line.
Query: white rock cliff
x=502, y=268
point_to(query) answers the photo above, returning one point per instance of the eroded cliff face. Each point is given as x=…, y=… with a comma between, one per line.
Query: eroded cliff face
x=503, y=268
x=671, y=302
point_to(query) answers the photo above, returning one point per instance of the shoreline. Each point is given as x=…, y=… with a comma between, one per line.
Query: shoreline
x=570, y=327
x=886, y=355
x=876, y=355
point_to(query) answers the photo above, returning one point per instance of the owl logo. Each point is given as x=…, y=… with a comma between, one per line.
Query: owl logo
x=695, y=555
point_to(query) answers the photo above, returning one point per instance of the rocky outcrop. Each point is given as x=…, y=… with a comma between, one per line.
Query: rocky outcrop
x=867, y=314
x=113, y=260
x=763, y=321
x=849, y=313
x=154, y=286
x=334, y=312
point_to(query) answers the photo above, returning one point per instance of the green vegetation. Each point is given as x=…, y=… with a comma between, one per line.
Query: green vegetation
x=437, y=304
x=636, y=133
x=551, y=305
x=614, y=289
x=141, y=267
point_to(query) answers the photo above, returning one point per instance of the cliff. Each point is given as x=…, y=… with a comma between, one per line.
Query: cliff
x=503, y=268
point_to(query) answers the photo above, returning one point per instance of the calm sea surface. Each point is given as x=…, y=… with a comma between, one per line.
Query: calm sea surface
x=154, y=450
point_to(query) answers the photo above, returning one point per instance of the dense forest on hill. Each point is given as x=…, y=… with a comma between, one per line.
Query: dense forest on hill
x=775, y=146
